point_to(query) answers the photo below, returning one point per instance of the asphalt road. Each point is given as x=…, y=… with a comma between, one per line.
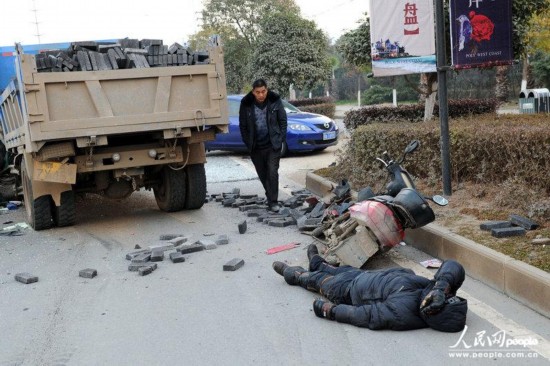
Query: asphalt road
x=194, y=313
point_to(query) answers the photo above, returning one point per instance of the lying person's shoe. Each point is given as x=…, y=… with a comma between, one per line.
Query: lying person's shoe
x=311, y=251
x=279, y=267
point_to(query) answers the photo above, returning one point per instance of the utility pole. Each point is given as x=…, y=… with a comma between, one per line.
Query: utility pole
x=442, y=95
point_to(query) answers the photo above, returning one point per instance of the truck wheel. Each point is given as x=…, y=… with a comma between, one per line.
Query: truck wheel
x=196, y=186
x=39, y=211
x=65, y=215
x=170, y=194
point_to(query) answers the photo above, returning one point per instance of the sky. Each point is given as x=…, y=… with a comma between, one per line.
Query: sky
x=169, y=20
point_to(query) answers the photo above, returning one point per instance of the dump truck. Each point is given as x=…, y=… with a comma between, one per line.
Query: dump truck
x=110, y=131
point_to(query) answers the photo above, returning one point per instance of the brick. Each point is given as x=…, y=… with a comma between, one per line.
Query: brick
x=507, y=232
x=190, y=248
x=279, y=223
x=134, y=267
x=228, y=202
x=88, y=273
x=179, y=240
x=144, y=271
x=238, y=203
x=26, y=278
x=246, y=207
x=207, y=244
x=490, y=225
x=163, y=247
x=142, y=258
x=233, y=265
x=523, y=222
x=170, y=236
x=248, y=196
x=256, y=213
x=177, y=257
x=222, y=240
x=132, y=255
x=242, y=227
x=157, y=255
x=219, y=198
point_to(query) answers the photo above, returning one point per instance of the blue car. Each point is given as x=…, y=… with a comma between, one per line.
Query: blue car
x=305, y=131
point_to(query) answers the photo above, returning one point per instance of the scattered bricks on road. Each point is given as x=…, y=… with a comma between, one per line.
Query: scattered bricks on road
x=26, y=278
x=490, y=225
x=242, y=227
x=145, y=270
x=507, y=232
x=233, y=265
x=219, y=198
x=245, y=208
x=318, y=210
x=179, y=240
x=88, y=273
x=222, y=240
x=132, y=255
x=142, y=258
x=207, y=244
x=280, y=222
x=236, y=191
x=190, y=248
x=177, y=257
x=163, y=247
x=157, y=255
x=238, y=203
x=268, y=216
x=170, y=236
x=256, y=213
x=524, y=222
x=248, y=196
x=228, y=202
x=134, y=267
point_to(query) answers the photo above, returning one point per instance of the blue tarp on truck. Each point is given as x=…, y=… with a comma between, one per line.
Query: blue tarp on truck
x=7, y=59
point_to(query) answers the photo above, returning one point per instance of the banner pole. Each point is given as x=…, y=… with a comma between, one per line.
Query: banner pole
x=442, y=96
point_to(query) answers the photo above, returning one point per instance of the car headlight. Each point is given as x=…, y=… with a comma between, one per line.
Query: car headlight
x=299, y=127
x=335, y=125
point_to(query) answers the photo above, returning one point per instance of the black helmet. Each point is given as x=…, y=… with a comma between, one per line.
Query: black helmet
x=452, y=318
x=412, y=208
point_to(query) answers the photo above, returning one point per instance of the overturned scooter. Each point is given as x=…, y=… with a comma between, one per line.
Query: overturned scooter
x=380, y=220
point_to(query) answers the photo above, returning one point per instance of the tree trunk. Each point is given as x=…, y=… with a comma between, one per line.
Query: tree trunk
x=428, y=88
x=527, y=74
x=502, y=87
x=429, y=107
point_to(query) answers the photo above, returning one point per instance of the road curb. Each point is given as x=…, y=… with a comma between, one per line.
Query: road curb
x=522, y=282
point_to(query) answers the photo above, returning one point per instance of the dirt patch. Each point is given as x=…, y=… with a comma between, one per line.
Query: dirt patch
x=472, y=204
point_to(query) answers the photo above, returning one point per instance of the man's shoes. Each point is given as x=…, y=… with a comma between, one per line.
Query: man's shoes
x=274, y=207
x=311, y=251
x=279, y=267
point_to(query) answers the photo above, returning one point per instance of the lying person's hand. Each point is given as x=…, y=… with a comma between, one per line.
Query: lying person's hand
x=324, y=309
x=435, y=299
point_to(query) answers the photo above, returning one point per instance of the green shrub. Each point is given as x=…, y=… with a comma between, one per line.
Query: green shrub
x=321, y=105
x=310, y=101
x=377, y=94
x=415, y=112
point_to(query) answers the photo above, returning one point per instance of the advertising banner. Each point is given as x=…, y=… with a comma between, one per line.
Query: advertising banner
x=481, y=33
x=402, y=37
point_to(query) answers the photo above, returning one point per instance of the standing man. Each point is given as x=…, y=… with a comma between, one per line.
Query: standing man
x=262, y=120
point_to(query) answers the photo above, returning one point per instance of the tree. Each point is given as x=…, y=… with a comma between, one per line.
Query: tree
x=355, y=45
x=290, y=50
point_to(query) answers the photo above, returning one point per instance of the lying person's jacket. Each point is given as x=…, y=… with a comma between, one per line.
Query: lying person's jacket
x=390, y=299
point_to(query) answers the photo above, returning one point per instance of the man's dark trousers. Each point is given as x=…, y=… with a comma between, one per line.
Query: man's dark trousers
x=266, y=161
x=330, y=281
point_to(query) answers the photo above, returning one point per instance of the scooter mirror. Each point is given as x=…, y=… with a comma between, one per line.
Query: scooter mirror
x=440, y=200
x=413, y=145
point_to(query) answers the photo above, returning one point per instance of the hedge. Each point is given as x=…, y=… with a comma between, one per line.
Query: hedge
x=415, y=112
x=321, y=105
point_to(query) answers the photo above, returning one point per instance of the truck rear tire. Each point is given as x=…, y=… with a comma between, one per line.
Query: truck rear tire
x=196, y=186
x=39, y=210
x=170, y=194
x=65, y=214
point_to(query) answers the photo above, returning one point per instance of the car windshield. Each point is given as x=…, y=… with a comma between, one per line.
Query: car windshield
x=234, y=106
x=289, y=108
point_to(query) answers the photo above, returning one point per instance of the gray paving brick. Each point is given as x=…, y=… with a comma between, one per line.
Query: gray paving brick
x=163, y=247
x=190, y=248
x=242, y=227
x=142, y=258
x=179, y=240
x=132, y=255
x=523, y=222
x=134, y=267
x=177, y=257
x=248, y=207
x=170, y=236
x=26, y=278
x=490, y=225
x=222, y=240
x=157, y=255
x=507, y=232
x=88, y=273
x=233, y=265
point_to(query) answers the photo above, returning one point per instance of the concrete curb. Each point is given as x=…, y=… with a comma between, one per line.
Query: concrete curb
x=522, y=282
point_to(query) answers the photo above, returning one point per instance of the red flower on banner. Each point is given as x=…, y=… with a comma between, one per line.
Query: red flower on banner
x=482, y=27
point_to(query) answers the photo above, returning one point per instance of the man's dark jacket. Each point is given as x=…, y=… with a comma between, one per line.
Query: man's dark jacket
x=390, y=299
x=276, y=120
